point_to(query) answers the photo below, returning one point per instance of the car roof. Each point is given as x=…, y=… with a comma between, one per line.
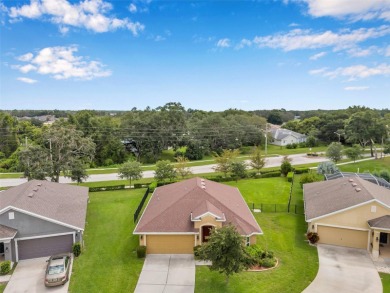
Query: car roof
x=57, y=261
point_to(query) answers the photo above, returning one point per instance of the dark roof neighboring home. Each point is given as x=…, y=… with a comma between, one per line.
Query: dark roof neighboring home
x=7, y=232
x=61, y=203
x=174, y=207
x=281, y=133
x=326, y=197
x=381, y=222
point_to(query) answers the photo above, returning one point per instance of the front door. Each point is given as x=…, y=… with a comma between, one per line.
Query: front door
x=383, y=238
x=206, y=233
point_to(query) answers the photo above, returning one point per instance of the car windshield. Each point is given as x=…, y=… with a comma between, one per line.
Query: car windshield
x=56, y=269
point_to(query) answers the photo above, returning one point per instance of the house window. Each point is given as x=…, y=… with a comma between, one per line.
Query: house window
x=248, y=241
x=373, y=209
x=11, y=215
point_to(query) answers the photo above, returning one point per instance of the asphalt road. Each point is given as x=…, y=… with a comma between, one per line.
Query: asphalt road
x=270, y=162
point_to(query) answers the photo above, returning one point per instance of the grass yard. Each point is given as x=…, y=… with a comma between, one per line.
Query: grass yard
x=2, y=287
x=266, y=190
x=367, y=166
x=283, y=234
x=385, y=282
x=109, y=262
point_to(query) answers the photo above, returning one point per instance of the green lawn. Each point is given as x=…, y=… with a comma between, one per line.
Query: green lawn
x=367, y=166
x=109, y=262
x=2, y=287
x=385, y=282
x=266, y=190
x=298, y=262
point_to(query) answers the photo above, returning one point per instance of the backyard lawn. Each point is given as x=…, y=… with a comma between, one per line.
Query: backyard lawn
x=283, y=234
x=2, y=287
x=367, y=166
x=385, y=282
x=109, y=262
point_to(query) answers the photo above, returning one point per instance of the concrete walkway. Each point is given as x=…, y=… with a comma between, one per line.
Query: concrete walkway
x=346, y=270
x=167, y=273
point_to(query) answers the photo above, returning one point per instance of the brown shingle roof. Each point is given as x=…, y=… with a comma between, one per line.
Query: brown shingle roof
x=59, y=202
x=325, y=197
x=381, y=222
x=170, y=208
x=7, y=232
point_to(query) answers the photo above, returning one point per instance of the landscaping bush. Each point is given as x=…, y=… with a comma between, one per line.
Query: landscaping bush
x=76, y=248
x=259, y=257
x=196, y=252
x=291, y=146
x=309, y=178
x=290, y=176
x=141, y=251
x=301, y=170
x=106, y=188
x=138, y=185
x=152, y=186
x=271, y=174
x=312, y=237
x=268, y=262
x=5, y=267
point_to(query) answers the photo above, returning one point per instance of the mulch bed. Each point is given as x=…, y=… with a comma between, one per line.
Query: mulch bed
x=262, y=269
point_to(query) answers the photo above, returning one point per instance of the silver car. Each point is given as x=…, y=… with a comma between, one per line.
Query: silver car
x=57, y=270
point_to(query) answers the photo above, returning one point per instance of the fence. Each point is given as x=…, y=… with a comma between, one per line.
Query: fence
x=141, y=204
x=278, y=208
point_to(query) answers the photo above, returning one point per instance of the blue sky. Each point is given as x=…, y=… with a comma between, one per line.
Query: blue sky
x=210, y=55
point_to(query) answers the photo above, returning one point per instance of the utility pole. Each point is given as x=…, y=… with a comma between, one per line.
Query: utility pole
x=51, y=155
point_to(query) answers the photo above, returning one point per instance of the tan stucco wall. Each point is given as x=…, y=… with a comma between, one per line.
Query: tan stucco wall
x=170, y=244
x=207, y=220
x=343, y=237
x=354, y=218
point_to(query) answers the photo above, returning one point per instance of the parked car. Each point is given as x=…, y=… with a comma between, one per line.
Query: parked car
x=57, y=270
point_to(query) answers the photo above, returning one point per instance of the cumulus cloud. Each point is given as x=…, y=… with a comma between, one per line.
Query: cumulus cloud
x=27, y=80
x=132, y=8
x=359, y=52
x=356, y=88
x=89, y=14
x=354, y=72
x=244, y=43
x=61, y=63
x=223, y=43
x=352, y=9
x=317, y=56
x=306, y=39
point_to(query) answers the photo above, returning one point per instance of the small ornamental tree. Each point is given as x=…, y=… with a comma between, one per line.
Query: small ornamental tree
x=182, y=167
x=327, y=168
x=286, y=166
x=130, y=170
x=164, y=170
x=256, y=161
x=225, y=160
x=225, y=250
x=353, y=153
x=239, y=170
x=335, y=151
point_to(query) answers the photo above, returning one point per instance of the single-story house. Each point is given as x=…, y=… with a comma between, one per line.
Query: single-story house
x=180, y=216
x=350, y=212
x=284, y=137
x=41, y=218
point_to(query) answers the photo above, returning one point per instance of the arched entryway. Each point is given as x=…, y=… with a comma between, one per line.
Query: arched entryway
x=206, y=230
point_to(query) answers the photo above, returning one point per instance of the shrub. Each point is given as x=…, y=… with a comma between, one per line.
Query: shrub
x=152, y=186
x=291, y=146
x=76, y=248
x=268, y=262
x=196, y=252
x=105, y=188
x=141, y=251
x=290, y=176
x=138, y=185
x=309, y=178
x=312, y=237
x=5, y=267
x=271, y=174
x=301, y=170
x=257, y=256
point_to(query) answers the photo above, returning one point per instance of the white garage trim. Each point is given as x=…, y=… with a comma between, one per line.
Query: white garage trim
x=38, y=237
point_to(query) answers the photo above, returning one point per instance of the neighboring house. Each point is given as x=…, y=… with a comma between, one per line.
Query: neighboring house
x=284, y=137
x=351, y=212
x=180, y=216
x=41, y=218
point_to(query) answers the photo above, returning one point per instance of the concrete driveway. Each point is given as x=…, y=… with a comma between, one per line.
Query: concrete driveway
x=345, y=270
x=167, y=273
x=29, y=277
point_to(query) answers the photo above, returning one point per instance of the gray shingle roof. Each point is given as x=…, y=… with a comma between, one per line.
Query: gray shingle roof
x=59, y=202
x=325, y=197
x=170, y=207
x=7, y=232
x=381, y=222
x=280, y=133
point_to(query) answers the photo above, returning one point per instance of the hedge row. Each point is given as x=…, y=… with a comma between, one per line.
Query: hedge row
x=106, y=188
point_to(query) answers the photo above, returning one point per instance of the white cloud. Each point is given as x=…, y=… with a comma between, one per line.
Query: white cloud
x=358, y=52
x=293, y=24
x=244, y=43
x=317, y=56
x=318, y=71
x=26, y=57
x=88, y=14
x=61, y=63
x=306, y=39
x=132, y=8
x=354, y=72
x=352, y=9
x=159, y=38
x=223, y=43
x=27, y=80
x=356, y=88
x=387, y=52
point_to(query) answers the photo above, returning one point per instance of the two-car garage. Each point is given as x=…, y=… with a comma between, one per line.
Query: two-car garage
x=343, y=236
x=170, y=244
x=44, y=246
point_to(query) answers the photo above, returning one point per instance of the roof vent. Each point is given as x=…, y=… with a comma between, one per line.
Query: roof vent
x=35, y=189
x=354, y=184
x=358, y=189
x=30, y=195
x=350, y=180
x=203, y=187
x=39, y=184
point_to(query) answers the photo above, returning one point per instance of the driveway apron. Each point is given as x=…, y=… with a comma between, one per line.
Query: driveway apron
x=163, y=273
x=343, y=269
x=29, y=276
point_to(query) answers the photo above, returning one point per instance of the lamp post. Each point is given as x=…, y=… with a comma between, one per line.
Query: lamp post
x=339, y=135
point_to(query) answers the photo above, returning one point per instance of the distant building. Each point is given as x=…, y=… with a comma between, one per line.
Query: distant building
x=284, y=137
